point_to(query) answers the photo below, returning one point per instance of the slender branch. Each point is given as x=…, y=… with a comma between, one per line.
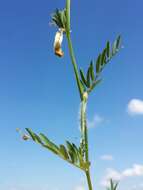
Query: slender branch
x=74, y=65
x=71, y=49
x=68, y=4
x=89, y=180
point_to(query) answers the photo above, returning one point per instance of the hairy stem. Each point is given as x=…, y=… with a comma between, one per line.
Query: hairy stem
x=84, y=138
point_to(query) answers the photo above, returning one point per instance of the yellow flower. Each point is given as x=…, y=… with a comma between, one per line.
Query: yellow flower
x=58, y=43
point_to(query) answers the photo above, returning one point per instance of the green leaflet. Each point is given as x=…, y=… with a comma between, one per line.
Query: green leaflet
x=71, y=151
x=83, y=86
x=83, y=79
x=59, y=18
x=108, y=49
x=79, y=155
x=103, y=57
x=31, y=133
x=118, y=42
x=51, y=149
x=76, y=156
x=34, y=137
x=88, y=77
x=48, y=143
x=64, y=152
x=82, y=163
x=94, y=85
x=116, y=45
x=113, y=185
x=37, y=139
x=114, y=48
x=63, y=18
x=98, y=64
x=92, y=75
x=75, y=153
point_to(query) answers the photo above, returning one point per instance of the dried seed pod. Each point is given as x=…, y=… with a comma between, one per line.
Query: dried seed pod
x=58, y=43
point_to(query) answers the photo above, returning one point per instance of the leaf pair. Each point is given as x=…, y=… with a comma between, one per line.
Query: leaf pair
x=91, y=79
x=70, y=153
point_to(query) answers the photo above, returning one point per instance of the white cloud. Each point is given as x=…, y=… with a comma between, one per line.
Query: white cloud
x=110, y=174
x=135, y=170
x=107, y=157
x=97, y=119
x=79, y=187
x=135, y=107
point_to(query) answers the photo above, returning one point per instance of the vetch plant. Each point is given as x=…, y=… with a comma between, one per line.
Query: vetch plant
x=77, y=155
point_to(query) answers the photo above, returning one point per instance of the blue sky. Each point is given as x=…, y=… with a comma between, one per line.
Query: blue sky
x=37, y=90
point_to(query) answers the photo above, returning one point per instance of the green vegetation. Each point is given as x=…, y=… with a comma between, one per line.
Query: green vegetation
x=77, y=155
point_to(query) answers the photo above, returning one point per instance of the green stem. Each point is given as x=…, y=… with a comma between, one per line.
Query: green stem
x=71, y=49
x=84, y=137
x=88, y=180
x=74, y=64
x=68, y=4
x=83, y=99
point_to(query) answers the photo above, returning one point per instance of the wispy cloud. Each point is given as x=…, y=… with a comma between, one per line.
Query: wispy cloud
x=79, y=187
x=110, y=174
x=135, y=107
x=107, y=157
x=135, y=170
x=96, y=120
